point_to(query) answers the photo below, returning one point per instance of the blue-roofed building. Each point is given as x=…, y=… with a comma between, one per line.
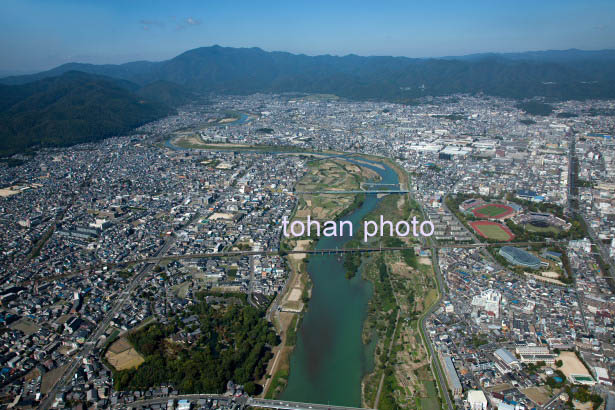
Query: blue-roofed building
x=526, y=194
x=555, y=256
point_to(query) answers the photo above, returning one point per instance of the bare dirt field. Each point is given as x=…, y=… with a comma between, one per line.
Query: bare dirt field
x=537, y=394
x=51, y=377
x=295, y=295
x=122, y=355
x=425, y=261
x=302, y=245
x=368, y=163
x=27, y=326
x=219, y=215
x=582, y=406
x=544, y=279
x=572, y=364
x=6, y=192
x=188, y=139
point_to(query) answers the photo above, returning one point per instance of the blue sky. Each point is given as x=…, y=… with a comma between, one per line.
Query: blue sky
x=40, y=34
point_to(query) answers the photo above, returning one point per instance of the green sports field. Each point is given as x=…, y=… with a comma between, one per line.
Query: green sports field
x=492, y=230
x=495, y=232
x=492, y=211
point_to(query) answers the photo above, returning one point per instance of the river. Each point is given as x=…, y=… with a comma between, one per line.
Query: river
x=330, y=359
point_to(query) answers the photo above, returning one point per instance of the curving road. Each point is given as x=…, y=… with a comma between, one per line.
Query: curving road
x=435, y=361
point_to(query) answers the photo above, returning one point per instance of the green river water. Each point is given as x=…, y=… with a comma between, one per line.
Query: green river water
x=330, y=359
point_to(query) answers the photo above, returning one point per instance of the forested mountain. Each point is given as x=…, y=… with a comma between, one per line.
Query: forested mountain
x=166, y=92
x=71, y=108
x=76, y=102
x=568, y=74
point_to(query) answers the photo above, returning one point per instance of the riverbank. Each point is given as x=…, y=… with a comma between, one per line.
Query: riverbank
x=404, y=289
x=324, y=346
x=330, y=359
x=286, y=317
x=324, y=174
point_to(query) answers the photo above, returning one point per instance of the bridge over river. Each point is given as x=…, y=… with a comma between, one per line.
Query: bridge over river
x=289, y=252
x=355, y=192
x=242, y=401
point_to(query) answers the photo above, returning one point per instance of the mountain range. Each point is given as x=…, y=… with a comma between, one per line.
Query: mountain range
x=566, y=74
x=56, y=107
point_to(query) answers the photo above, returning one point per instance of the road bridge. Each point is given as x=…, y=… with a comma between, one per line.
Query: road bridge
x=293, y=405
x=230, y=254
x=355, y=192
x=241, y=401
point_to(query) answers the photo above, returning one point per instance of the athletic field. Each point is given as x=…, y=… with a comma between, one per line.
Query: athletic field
x=492, y=230
x=497, y=211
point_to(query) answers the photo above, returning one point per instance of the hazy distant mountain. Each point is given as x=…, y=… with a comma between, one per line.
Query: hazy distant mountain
x=569, y=74
x=553, y=56
x=71, y=108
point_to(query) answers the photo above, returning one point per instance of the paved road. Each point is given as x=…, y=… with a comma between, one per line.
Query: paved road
x=548, y=404
x=251, y=282
x=154, y=259
x=191, y=397
x=435, y=361
x=373, y=191
x=243, y=401
x=289, y=405
x=87, y=347
x=572, y=208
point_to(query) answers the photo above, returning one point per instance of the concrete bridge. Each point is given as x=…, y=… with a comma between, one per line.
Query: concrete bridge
x=241, y=402
x=292, y=405
x=355, y=192
x=378, y=184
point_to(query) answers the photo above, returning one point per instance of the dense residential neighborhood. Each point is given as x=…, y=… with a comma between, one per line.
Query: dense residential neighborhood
x=102, y=240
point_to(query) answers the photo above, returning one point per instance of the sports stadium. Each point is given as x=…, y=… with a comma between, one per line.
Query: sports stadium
x=492, y=230
x=493, y=211
x=535, y=221
x=520, y=257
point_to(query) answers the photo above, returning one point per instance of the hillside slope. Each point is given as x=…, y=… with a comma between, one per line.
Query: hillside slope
x=69, y=109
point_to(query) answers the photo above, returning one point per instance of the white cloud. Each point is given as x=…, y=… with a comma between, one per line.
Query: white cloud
x=193, y=22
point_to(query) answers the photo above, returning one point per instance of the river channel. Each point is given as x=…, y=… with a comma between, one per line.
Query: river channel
x=330, y=358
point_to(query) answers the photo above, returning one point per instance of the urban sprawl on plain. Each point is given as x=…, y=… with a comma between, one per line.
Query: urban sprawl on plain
x=101, y=239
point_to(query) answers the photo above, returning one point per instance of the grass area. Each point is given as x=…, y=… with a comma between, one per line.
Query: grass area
x=280, y=378
x=113, y=335
x=491, y=230
x=491, y=210
x=431, y=401
x=196, y=143
x=548, y=229
x=331, y=175
x=291, y=333
x=400, y=283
